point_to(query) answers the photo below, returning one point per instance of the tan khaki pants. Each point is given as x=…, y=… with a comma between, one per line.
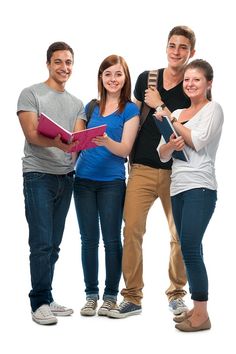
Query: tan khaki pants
x=144, y=186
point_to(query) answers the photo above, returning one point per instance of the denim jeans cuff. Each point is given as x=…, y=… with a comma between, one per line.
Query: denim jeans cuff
x=92, y=296
x=112, y=298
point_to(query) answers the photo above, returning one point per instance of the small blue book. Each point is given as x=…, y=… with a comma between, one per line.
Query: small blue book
x=166, y=129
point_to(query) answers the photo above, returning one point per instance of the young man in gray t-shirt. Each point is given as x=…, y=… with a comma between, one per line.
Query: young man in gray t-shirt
x=48, y=176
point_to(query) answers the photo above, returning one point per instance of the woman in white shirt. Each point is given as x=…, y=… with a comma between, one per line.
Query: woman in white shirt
x=193, y=183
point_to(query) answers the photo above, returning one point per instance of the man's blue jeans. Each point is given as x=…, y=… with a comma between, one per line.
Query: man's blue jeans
x=100, y=201
x=192, y=211
x=47, y=201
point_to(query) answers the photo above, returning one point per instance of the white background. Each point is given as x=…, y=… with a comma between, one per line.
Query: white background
x=138, y=31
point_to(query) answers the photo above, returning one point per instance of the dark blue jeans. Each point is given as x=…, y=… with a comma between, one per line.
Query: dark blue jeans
x=102, y=202
x=192, y=211
x=47, y=200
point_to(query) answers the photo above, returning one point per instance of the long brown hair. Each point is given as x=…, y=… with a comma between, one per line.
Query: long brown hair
x=125, y=95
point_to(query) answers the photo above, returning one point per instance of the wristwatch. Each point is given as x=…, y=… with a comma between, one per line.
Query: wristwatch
x=161, y=107
x=173, y=120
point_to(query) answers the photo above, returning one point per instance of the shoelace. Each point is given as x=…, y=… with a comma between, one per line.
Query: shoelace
x=90, y=304
x=180, y=302
x=123, y=304
x=108, y=304
x=55, y=305
x=45, y=311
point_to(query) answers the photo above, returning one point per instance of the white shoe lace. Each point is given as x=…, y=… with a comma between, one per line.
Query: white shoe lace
x=54, y=305
x=123, y=304
x=180, y=302
x=45, y=311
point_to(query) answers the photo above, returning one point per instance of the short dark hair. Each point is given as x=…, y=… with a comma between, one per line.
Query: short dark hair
x=58, y=46
x=184, y=31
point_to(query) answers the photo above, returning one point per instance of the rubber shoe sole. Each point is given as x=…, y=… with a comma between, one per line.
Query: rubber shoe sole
x=117, y=314
x=49, y=321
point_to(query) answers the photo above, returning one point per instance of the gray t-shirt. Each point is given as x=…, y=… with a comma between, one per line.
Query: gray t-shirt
x=64, y=109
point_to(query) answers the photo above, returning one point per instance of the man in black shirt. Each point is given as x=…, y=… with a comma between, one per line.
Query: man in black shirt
x=150, y=178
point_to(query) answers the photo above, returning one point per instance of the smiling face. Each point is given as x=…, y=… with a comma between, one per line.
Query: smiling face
x=113, y=78
x=179, y=51
x=60, y=69
x=195, y=84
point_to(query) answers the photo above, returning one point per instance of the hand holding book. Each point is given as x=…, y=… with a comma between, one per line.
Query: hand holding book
x=83, y=138
x=176, y=142
x=168, y=132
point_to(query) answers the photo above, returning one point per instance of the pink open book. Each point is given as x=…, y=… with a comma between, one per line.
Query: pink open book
x=51, y=129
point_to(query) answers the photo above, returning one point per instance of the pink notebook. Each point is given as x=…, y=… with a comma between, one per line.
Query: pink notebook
x=51, y=129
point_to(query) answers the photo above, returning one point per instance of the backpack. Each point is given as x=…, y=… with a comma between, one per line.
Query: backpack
x=91, y=105
x=152, y=80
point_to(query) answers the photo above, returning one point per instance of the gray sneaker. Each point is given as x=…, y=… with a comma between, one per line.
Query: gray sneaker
x=177, y=306
x=59, y=310
x=107, y=306
x=89, y=308
x=125, y=309
x=44, y=316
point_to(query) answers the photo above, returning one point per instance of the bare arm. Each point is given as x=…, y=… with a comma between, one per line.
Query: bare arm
x=174, y=144
x=137, y=102
x=153, y=99
x=79, y=125
x=124, y=147
x=29, y=123
x=185, y=133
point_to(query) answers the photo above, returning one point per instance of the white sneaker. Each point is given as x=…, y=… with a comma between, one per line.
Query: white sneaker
x=177, y=306
x=59, y=310
x=44, y=316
